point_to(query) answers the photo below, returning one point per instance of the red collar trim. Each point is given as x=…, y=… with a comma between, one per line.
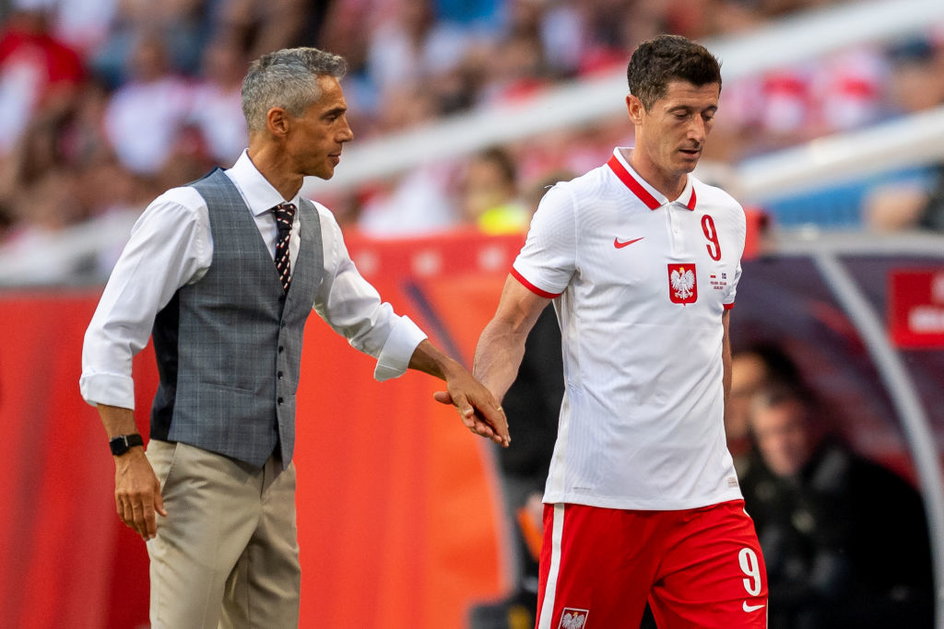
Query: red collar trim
x=632, y=184
x=637, y=188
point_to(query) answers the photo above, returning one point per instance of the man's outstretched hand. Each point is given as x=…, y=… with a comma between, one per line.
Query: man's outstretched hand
x=477, y=406
x=479, y=411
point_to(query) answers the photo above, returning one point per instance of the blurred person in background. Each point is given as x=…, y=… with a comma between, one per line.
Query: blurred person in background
x=489, y=195
x=183, y=26
x=261, y=26
x=914, y=204
x=216, y=104
x=642, y=261
x=414, y=204
x=145, y=114
x=846, y=541
x=223, y=274
x=752, y=368
x=913, y=198
x=39, y=73
x=467, y=54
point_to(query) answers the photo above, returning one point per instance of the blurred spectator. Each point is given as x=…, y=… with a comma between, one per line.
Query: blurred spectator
x=411, y=47
x=415, y=204
x=845, y=540
x=913, y=199
x=518, y=71
x=41, y=211
x=489, y=194
x=182, y=25
x=216, y=108
x=38, y=73
x=911, y=203
x=145, y=114
x=757, y=366
x=80, y=23
x=163, y=92
x=917, y=75
x=262, y=26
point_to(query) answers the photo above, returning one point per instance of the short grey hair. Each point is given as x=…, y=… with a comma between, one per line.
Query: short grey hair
x=286, y=78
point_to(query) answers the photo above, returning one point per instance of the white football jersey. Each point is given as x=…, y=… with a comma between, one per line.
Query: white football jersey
x=639, y=284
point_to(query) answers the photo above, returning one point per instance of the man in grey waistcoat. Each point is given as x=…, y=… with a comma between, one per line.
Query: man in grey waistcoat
x=223, y=273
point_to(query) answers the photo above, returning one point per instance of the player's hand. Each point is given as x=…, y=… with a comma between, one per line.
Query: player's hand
x=138, y=493
x=477, y=407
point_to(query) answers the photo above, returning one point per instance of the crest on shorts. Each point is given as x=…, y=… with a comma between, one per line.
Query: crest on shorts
x=573, y=618
x=683, y=283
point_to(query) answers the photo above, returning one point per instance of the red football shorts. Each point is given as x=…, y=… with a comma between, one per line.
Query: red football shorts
x=697, y=568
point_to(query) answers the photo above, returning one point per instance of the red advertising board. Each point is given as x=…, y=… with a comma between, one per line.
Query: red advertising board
x=916, y=308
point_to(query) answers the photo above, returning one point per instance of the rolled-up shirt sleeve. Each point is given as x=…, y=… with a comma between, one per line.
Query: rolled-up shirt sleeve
x=353, y=308
x=169, y=247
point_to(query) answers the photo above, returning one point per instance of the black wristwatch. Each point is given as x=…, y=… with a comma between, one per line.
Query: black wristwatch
x=122, y=443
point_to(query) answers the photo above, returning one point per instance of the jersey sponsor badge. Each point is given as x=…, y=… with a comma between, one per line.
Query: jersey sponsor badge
x=683, y=283
x=572, y=618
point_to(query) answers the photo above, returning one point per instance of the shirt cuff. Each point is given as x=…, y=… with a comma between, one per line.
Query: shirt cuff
x=106, y=388
x=395, y=356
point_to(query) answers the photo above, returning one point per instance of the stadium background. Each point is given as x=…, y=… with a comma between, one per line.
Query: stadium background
x=398, y=514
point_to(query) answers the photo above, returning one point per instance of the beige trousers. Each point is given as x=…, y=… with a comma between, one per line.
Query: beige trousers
x=226, y=555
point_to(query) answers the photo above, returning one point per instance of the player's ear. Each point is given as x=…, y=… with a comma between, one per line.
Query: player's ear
x=635, y=109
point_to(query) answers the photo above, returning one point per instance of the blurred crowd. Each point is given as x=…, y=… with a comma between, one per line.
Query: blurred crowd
x=105, y=104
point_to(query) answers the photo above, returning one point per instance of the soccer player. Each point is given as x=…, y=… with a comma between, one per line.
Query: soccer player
x=642, y=262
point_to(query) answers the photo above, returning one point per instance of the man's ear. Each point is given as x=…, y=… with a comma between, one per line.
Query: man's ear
x=278, y=121
x=635, y=109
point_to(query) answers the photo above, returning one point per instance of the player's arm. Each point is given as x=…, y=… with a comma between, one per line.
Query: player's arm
x=476, y=405
x=501, y=346
x=726, y=355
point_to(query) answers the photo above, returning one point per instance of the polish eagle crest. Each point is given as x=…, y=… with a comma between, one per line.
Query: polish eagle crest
x=683, y=282
x=573, y=619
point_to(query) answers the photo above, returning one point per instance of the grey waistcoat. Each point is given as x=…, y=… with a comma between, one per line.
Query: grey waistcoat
x=229, y=346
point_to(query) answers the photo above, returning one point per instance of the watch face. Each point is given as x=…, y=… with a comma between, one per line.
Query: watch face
x=122, y=443
x=118, y=446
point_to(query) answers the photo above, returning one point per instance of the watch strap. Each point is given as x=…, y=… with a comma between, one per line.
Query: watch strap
x=122, y=443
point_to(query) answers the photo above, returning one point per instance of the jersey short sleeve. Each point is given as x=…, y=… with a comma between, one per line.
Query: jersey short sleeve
x=548, y=258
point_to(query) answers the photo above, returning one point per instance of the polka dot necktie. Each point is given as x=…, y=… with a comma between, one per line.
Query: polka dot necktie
x=284, y=215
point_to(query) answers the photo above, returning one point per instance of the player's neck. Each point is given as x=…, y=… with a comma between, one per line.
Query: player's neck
x=670, y=184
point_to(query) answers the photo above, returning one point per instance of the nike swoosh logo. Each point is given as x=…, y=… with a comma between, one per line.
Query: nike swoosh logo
x=620, y=245
x=751, y=608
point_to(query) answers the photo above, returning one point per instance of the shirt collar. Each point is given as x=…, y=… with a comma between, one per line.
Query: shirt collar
x=256, y=190
x=639, y=187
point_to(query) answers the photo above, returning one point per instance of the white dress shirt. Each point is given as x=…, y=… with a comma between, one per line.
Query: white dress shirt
x=171, y=246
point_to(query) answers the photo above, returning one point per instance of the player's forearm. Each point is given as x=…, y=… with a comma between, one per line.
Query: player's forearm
x=498, y=356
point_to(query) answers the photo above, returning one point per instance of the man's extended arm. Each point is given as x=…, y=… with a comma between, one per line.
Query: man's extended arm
x=476, y=405
x=501, y=346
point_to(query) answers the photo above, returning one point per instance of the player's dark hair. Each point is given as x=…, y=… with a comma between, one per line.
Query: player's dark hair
x=666, y=58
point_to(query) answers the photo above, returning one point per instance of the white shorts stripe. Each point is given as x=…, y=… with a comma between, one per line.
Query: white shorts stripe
x=557, y=535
